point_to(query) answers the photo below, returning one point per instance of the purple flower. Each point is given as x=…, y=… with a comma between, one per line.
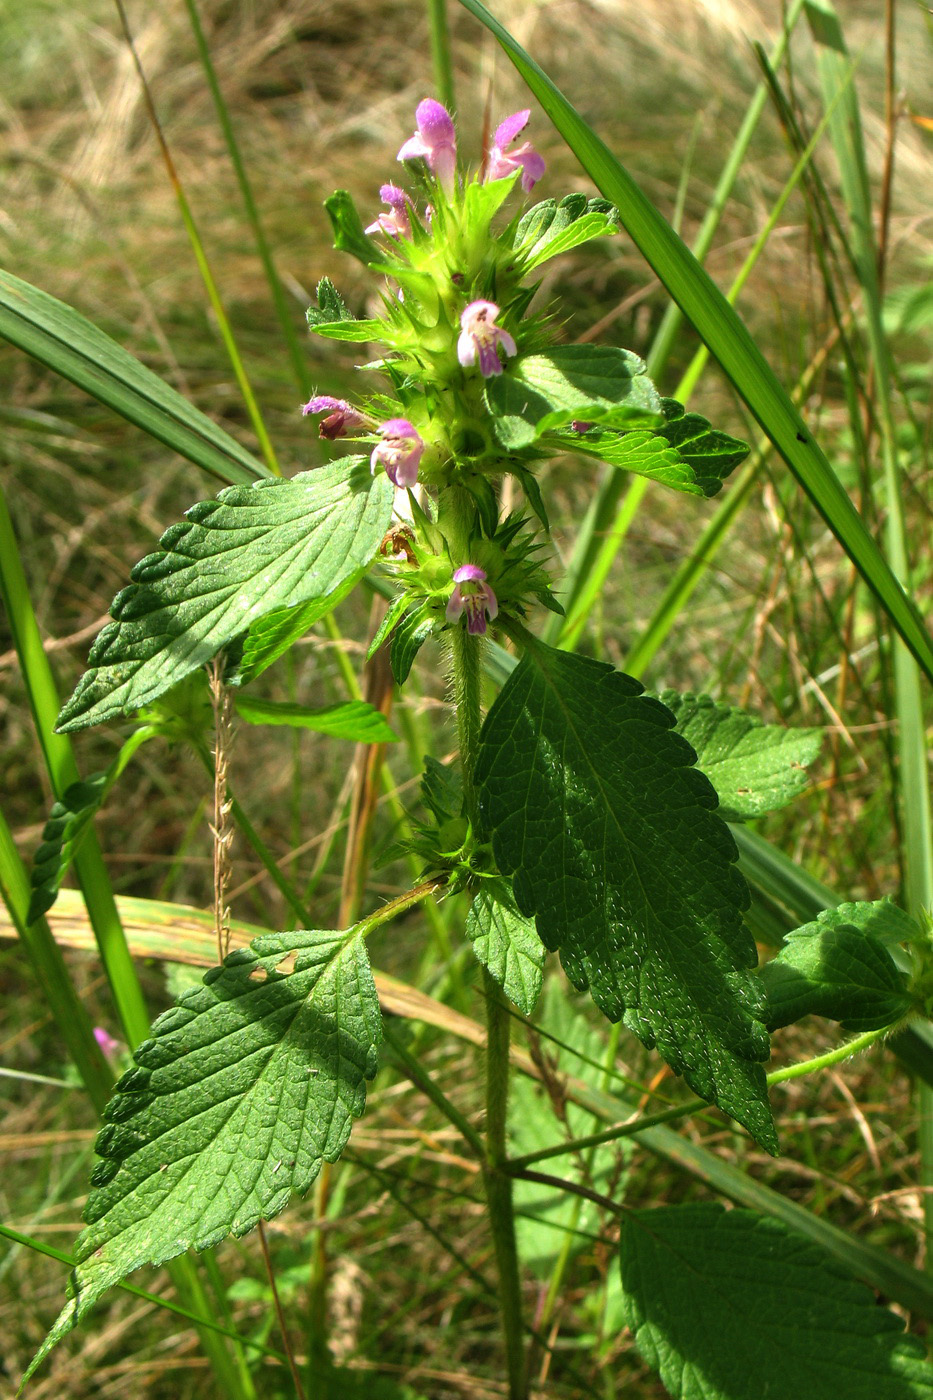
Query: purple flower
x=501, y=162
x=396, y=223
x=435, y=141
x=473, y=596
x=479, y=335
x=342, y=418
x=399, y=451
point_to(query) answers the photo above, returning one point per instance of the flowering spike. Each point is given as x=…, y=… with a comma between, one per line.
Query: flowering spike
x=400, y=451
x=480, y=336
x=473, y=596
x=342, y=418
x=396, y=223
x=502, y=162
x=435, y=141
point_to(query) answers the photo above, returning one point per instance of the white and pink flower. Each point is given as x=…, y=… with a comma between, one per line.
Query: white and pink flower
x=501, y=162
x=435, y=141
x=397, y=222
x=480, y=338
x=472, y=595
x=399, y=452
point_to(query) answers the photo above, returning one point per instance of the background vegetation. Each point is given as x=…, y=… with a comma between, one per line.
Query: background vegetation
x=321, y=95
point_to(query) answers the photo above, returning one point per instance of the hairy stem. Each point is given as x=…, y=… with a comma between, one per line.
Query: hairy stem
x=467, y=678
x=499, y=1185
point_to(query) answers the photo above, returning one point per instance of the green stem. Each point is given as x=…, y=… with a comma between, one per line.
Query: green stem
x=419, y=1076
x=467, y=682
x=499, y=1184
x=466, y=653
x=440, y=53
x=517, y=1165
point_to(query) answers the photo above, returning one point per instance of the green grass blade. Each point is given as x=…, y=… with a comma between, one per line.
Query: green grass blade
x=199, y=1320
x=67, y=342
x=727, y=338
x=295, y=352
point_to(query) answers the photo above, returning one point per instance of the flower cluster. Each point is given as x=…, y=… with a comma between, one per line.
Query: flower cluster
x=448, y=339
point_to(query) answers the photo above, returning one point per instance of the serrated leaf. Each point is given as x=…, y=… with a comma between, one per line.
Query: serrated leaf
x=614, y=846
x=547, y=1219
x=58, y=336
x=68, y=822
x=407, y=640
x=507, y=944
x=594, y=382
x=754, y=767
x=355, y=720
x=247, y=1086
x=235, y=559
x=441, y=790
x=551, y=228
x=685, y=453
x=729, y=1305
x=330, y=308
x=836, y=967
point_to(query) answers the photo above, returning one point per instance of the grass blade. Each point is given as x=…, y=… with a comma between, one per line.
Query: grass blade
x=67, y=342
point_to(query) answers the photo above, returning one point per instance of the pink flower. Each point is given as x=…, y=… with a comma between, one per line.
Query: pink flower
x=473, y=596
x=435, y=141
x=501, y=162
x=105, y=1040
x=396, y=223
x=342, y=418
x=400, y=452
x=479, y=335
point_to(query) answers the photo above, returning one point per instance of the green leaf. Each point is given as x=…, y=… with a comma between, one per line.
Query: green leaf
x=836, y=967
x=68, y=822
x=396, y=611
x=754, y=767
x=247, y=1086
x=407, y=640
x=350, y=330
x=67, y=342
x=685, y=453
x=611, y=838
x=594, y=382
x=481, y=203
x=728, y=339
x=349, y=234
x=330, y=308
x=235, y=559
x=441, y=790
x=729, y=1305
x=551, y=228
x=508, y=945
x=547, y=1220
x=355, y=720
